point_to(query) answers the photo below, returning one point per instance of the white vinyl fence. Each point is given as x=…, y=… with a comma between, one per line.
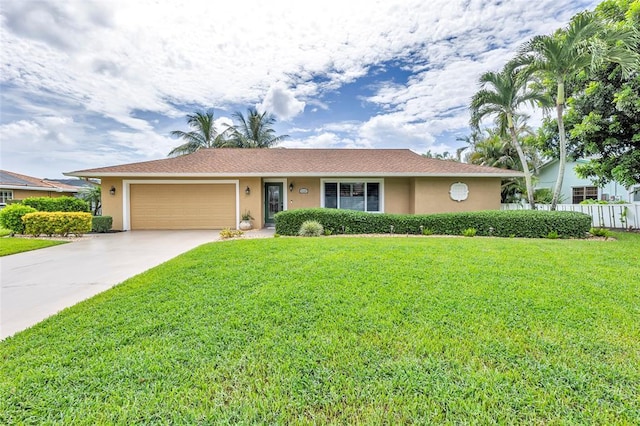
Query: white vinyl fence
x=602, y=215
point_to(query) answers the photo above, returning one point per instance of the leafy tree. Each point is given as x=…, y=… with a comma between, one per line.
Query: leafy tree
x=444, y=156
x=93, y=196
x=203, y=134
x=254, y=131
x=564, y=55
x=603, y=120
x=501, y=95
x=491, y=149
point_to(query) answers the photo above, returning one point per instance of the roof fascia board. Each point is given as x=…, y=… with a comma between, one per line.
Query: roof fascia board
x=37, y=188
x=293, y=174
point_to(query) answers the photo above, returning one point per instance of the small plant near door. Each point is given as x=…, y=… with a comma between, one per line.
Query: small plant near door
x=245, y=223
x=227, y=233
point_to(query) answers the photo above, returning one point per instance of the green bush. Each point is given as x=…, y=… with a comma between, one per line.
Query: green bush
x=600, y=232
x=57, y=223
x=58, y=204
x=553, y=235
x=311, y=228
x=101, y=223
x=470, y=232
x=11, y=217
x=498, y=223
x=227, y=233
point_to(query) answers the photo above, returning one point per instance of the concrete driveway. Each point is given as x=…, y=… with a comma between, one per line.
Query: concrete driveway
x=40, y=283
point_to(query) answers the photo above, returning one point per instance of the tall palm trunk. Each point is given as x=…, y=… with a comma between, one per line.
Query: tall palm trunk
x=523, y=161
x=562, y=145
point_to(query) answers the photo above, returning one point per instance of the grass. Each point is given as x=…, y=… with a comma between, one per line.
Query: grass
x=346, y=331
x=18, y=245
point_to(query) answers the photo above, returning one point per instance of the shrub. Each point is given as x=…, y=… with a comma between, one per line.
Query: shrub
x=498, y=223
x=57, y=223
x=58, y=204
x=11, y=217
x=553, y=235
x=101, y=223
x=227, y=233
x=469, y=232
x=600, y=232
x=425, y=231
x=311, y=228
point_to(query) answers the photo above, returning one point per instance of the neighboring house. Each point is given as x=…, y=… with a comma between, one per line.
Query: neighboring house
x=14, y=186
x=211, y=188
x=576, y=189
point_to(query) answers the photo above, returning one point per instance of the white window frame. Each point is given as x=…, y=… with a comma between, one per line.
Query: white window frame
x=354, y=180
x=3, y=196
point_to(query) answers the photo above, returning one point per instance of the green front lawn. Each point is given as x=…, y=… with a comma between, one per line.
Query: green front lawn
x=18, y=245
x=346, y=331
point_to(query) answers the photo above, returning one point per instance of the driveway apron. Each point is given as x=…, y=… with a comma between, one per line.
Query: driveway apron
x=40, y=283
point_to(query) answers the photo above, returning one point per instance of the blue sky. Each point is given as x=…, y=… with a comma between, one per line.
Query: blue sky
x=94, y=83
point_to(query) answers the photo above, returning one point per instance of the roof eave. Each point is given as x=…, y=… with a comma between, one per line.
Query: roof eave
x=296, y=174
x=36, y=188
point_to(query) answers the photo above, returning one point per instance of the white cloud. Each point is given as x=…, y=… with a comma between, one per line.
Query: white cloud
x=109, y=59
x=280, y=101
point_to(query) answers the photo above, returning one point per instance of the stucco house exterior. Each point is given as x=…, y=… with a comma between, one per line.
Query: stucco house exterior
x=212, y=188
x=15, y=186
x=576, y=189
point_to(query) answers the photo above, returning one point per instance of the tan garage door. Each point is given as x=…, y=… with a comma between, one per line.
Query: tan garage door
x=178, y=206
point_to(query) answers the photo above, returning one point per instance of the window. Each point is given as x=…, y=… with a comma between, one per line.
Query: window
x=5, y=196
x=582, y=193
x=364, y=196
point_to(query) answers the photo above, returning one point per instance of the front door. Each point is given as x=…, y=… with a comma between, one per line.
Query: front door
x=273, y=201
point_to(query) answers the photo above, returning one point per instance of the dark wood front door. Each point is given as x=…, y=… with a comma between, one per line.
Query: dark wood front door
x=273, y=201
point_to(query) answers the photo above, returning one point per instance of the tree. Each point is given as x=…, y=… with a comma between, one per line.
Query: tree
x=444, y=156
x=254, y=131
x=93, y=196
x=501, y=95
x=564, y=55
x=203, y=134
x=603, y=119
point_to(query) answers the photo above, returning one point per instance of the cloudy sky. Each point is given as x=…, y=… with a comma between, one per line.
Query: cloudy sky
x=94, y=83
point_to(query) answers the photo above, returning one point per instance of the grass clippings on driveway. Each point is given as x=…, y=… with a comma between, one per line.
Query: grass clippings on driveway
x=346, y=331
x=10, y=245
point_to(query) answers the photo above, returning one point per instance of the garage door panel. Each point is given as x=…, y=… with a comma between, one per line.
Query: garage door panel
x=182, y=206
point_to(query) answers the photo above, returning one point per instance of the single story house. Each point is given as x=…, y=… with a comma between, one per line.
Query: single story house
x=576, y=189
x=14, y=186
x=212, y=188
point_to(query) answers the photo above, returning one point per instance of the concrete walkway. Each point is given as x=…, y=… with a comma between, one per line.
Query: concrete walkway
x=40, y=283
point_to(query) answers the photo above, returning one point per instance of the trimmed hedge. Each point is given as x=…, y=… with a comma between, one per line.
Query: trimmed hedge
x=499, y=223
x=11, y=217
x=57, y=223
x=101, y=223
x=57, y=204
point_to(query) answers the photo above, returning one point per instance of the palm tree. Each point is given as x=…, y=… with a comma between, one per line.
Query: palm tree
x=203, y=134
x=494, y=151
x=583, y=45
x=501, y=95
x=254, y=131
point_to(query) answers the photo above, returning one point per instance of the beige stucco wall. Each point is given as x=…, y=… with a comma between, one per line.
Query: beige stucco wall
x=396, y=195
x=21, y=194
x=432, y=195
x=252, y=203
x=112, y=204
x=401, y=195
x=311, y=199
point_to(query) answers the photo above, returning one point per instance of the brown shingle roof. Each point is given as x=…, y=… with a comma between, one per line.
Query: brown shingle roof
x=298, y=162
x=14, y=180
